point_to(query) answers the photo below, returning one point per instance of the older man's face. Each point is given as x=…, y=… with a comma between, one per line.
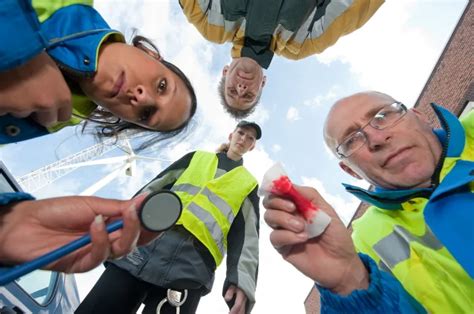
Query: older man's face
x=243, y=83
x=402, y=156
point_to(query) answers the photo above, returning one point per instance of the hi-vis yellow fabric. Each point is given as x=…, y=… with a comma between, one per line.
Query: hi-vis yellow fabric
x=401, y=242
x=210, y=204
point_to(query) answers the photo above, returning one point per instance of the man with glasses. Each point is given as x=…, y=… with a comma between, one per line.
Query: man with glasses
x=415, y=241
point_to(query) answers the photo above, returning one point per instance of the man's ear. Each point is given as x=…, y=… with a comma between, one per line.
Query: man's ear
x=264, y=80
x=349, y=170
x=230, y=136
x=421, y=115
x=225, y=69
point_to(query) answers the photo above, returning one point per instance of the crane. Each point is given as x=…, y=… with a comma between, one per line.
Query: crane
x=48, y=174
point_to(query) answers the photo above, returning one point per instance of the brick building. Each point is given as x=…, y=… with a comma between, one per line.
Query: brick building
x=451, y=84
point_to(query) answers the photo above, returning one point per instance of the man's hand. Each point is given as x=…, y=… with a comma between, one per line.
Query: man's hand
x=329, y=259
x=29, y=229
x=36, y=87
x=240, y=299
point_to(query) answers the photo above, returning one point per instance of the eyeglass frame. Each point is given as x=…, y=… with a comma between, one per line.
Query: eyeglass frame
x=403, y=112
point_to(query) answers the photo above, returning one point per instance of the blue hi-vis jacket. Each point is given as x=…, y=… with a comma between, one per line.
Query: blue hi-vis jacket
x=71, y=36
x=448, y=213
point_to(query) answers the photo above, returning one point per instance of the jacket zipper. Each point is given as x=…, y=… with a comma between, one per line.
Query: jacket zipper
x=436, y=175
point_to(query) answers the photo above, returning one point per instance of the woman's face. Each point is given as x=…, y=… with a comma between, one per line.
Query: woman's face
x=135, y=86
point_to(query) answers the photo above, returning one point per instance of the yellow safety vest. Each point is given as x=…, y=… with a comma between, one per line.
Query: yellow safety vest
x=404, y=245
x=210, y=204
x=401, y=243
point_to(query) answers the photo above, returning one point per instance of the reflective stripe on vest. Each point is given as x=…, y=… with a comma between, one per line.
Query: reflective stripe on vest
x=211, y=224
x=214, y=198
x=426, y=270
x=395, y=248
x=210, y=204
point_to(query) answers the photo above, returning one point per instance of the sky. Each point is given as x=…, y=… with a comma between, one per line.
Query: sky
x=394, y=53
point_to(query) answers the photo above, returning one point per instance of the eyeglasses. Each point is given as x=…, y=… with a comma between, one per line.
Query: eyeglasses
x=386, y=117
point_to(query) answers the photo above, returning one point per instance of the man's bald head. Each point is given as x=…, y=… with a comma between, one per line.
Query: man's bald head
x=403, y=154
x=342, y=111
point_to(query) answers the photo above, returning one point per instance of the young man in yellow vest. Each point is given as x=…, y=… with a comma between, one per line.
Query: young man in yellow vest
x=220, y=216
x=416, y=238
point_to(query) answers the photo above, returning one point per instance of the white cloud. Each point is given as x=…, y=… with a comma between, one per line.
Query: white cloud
x=276, y=148
x=325, y=100
x=293, y=114
x=388, y=54
x=260, y=115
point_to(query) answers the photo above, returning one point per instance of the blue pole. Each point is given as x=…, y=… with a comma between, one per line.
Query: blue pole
x=8, y=274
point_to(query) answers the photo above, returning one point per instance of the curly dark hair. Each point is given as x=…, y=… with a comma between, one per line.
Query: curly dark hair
x=237, y=114
x=108, y=125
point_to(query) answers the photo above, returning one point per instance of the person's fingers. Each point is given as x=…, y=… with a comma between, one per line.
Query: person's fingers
x=282, y=239
x=147, y=236
x=129, y=233
x=278, y=219
x=229, y=294
x=274, y=202
x=20, y=113
x=239, y=304
x=46, y=118
x=100, y=246
x=111, y=207
x=65, y=112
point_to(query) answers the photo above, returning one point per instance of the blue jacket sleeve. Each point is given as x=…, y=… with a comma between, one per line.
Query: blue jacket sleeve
x=27, y=41
x=6, y=198
x=384, y=295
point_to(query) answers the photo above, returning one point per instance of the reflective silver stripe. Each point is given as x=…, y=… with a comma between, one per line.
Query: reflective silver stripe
x=384, y=267
x=214, y=16
x=53, y=41
x=222, y=205
x=333, y=11
x=185, y=187
x=395, y=247
x=211, y=225
x=225, y=209
x=220, y=172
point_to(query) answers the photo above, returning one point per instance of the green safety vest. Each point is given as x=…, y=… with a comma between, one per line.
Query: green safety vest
x=44, y=8
x=210, y=204
x=401, y=243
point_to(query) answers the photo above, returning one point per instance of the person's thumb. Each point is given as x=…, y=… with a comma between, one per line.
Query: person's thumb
x=138, y=200
x=229, y=293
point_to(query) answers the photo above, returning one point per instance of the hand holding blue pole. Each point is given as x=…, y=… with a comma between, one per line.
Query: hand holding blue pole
x=159, y=211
